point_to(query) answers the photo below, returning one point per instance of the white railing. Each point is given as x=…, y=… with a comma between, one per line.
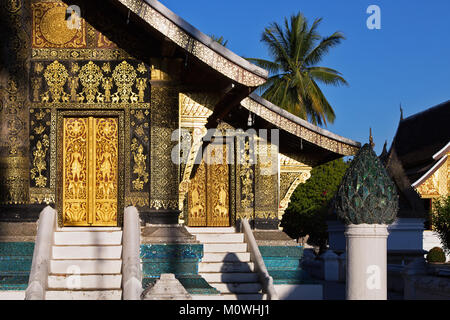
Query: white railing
x=37, y=283
x=131, y=262
x=255, y=255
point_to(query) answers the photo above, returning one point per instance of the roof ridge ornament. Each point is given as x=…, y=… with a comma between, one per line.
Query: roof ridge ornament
x=372, y=144
x=401, y=112
x=367, y=194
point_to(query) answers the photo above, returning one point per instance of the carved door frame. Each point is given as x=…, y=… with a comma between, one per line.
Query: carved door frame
x=120, y=115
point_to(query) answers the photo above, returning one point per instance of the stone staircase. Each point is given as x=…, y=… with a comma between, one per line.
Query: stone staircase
x=86, y=264
x=226, y=264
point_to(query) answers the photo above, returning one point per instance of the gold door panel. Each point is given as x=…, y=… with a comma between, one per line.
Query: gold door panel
x=208, y=198
x=90, y=169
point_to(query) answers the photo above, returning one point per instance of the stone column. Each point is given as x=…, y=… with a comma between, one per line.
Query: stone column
x=366, y=262
x=14, y=53
x=266, y=186
x=164, y=173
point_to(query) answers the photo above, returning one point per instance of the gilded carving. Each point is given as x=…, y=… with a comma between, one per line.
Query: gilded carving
x=124, y=76
x=208, y=196
x=197, y=198
x=91, y=77
x=39, y=160
x=56, y=77
x=90, y=192
x=140, y=167
x=50, y=28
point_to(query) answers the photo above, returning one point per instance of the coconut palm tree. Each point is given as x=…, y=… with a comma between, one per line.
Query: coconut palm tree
x=296, y=50
x=220, y=40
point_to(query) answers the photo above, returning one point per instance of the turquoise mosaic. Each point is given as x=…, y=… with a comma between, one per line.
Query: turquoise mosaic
x=15, y=264
x=179, y=259
x=284, y=264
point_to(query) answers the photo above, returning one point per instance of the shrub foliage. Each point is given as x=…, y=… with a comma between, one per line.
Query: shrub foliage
x=441, y=221
x=307, y=211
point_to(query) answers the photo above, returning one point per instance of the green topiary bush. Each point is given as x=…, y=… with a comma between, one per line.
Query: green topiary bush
x=436, y=255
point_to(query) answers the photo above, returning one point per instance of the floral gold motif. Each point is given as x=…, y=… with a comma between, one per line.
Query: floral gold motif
x=124, y=76
x=140, y=167
x=56, y=76
x=39, y=161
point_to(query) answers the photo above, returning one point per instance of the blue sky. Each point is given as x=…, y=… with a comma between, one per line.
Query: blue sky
x=407, y=61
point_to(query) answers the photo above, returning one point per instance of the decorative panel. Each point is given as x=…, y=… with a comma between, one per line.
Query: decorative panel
x=105, y=83
x=164, y=172
x=51, y=29
x=266, y=182
x=209, y=196
x=15, y=46
x=197, y=198
x=90, y=169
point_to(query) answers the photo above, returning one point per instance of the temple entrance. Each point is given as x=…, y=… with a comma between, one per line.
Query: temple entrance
x=208, y=196
x=90, y=171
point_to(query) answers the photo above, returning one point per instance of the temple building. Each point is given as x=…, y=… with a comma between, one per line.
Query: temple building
x=421, y=147
x=125, y=104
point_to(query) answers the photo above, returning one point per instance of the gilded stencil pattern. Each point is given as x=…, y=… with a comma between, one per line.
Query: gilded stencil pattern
x=90, y=171
x=14, y=158
x=209, y=200
x=50, y=29
x=88, y=82
x=197, y=198
x=106, y=148
x=164, y=174
x=75, y=171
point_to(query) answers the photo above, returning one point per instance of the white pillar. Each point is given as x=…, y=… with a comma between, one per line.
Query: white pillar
x=131, y=263
x=41, y=255
x=366, y=261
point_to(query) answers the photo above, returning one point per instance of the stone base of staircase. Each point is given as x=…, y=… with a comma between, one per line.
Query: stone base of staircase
x=86, y=264
x=226, y=265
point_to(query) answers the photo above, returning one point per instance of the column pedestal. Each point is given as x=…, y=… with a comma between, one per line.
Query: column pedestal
x=366, y=262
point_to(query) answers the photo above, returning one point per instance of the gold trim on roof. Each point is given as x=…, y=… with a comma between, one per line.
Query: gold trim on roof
x=193, y=46
x=299, y=130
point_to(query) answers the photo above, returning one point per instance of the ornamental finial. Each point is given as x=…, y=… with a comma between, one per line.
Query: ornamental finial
x=372, y=144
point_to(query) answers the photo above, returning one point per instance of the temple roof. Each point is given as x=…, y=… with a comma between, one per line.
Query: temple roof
x=297, y=135
x=419, y=137
x=197, y=43
x=300, y=140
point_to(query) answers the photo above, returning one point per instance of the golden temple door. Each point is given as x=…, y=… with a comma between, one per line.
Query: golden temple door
x=208, y=196
x=90, y=171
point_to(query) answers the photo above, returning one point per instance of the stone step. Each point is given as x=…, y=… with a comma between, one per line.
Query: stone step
x=237, y=288
x=86, y=252
x=207, y=297
x=88, y=238
x=225, y=267
x=83, y=295
x=12, y=294
x=230, y=277
x=226, y=257
x=94, y=281
x=220, y=237
x=224, y=247
x=195, y=230
x=86, y=266
x=88, y=229
x=245, y=296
